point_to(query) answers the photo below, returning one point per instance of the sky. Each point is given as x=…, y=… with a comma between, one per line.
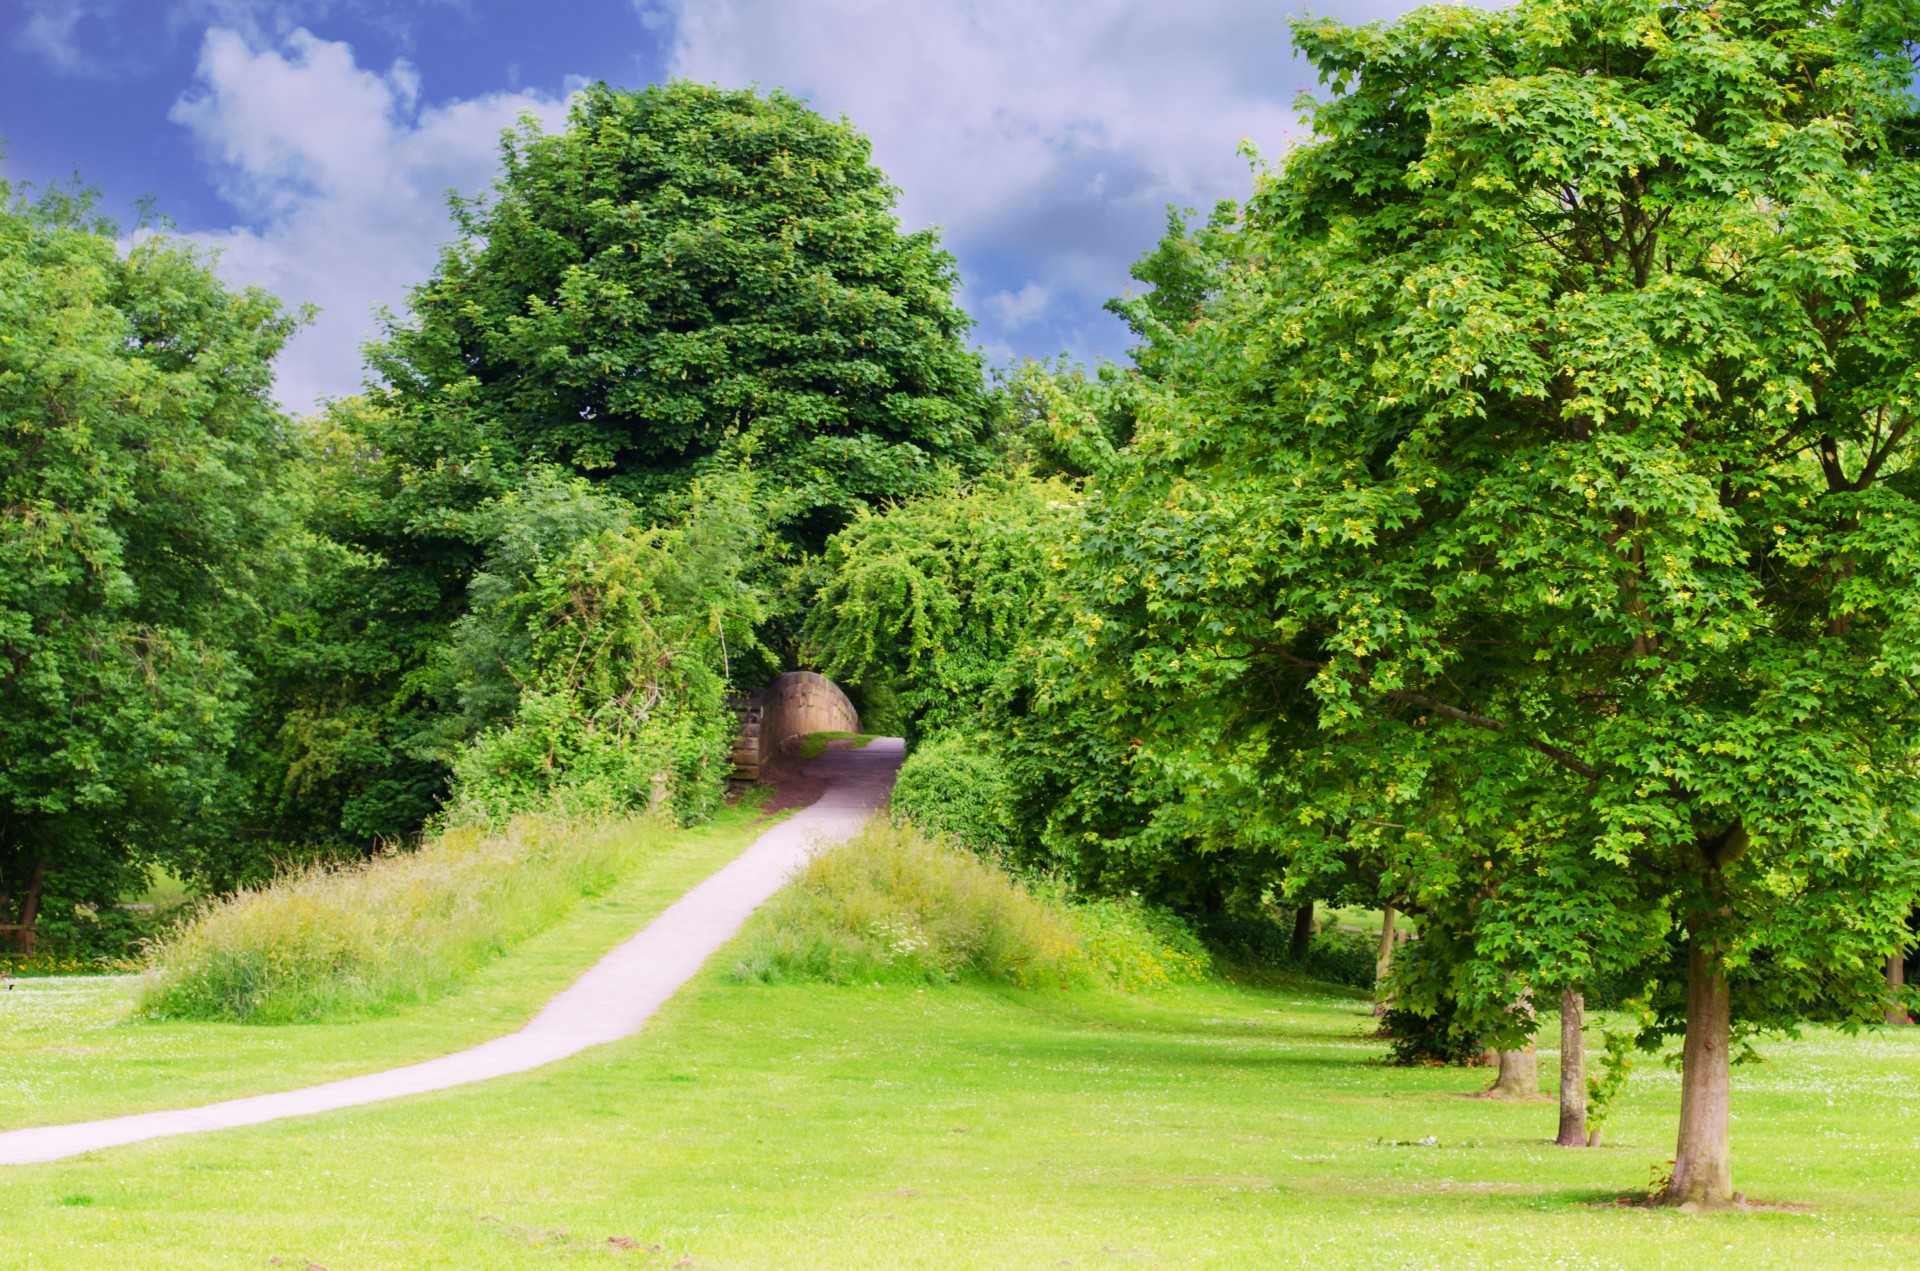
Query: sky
x=313, y=142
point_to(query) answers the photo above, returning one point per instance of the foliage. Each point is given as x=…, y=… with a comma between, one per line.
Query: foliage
x=1432, y=1035
x=350, y=751
x=141, y=532
x=932, y=596
x=1527, y=526
x=347, y=941
x=897, y=906
x=591, y=671
x=687, y=277
x=1618, y=1055
x=1053, y=421
x=1264, y=939
x=685, y=283
x=954, y=786
x=1184, y=270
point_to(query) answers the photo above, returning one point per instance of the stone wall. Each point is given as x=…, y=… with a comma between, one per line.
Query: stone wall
x=775, y=718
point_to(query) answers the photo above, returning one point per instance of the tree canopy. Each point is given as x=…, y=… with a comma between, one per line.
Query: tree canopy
x=140, y=530
x=1531, y=512
x=688, y=276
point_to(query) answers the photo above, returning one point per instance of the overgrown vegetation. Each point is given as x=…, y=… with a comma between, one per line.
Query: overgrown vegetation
x=678, y=344
x=953, y=785
x=895, y=905
x=351, y=940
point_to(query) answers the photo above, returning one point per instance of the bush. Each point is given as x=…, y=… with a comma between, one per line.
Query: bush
x=1264, y=939
x=353, y=940
x=1342, y=957
x=956, y=787
x=897, y=906
x=1430, y=1038
x=1136, y=947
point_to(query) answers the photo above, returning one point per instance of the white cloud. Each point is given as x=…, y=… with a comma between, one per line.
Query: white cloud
x=1016, y=309
x=51, y=30
x=1046, y=139
x=341, y=178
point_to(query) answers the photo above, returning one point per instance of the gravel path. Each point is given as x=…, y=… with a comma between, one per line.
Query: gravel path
x=611, y=1001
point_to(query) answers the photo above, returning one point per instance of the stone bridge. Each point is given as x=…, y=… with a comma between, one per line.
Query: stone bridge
x=774, y=718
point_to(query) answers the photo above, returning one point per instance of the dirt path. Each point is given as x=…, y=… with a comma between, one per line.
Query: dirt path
x=611, y=1001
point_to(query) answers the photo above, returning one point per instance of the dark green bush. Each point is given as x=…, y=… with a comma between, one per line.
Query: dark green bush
x=1433, y=1038
x=956, y=787
x=1265, y=939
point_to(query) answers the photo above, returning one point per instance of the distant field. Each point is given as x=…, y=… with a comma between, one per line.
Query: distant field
x=809, y=1126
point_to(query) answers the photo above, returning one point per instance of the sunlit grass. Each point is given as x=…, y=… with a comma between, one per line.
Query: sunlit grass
x=73, y=1049
x=967, y=1125
x=813, y=745
x=342, y=941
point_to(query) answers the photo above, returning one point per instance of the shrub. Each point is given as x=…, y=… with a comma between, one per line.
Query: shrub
x=591, y=672
x=956, y=787
x=1135, y=946
x=1264, y=939
x=353, y=940
x=1431, y=1037
x=896, y=905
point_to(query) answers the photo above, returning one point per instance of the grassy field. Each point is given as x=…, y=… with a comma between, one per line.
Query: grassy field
x=70, y=1049
x=755, y=1126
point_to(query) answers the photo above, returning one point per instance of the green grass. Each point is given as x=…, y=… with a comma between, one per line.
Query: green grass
x=73, y=1048
x=363, y=939
x=813, y=745
x=972, y=1126
x=893, y=905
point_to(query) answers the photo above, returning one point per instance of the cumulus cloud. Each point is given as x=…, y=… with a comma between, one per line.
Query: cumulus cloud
x=1046, y=140
x=340, y=178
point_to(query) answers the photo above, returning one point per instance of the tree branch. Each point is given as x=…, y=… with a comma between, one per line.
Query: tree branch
x=1559, y=754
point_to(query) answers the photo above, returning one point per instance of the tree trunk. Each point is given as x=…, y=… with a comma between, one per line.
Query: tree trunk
x=30, y=911
x=1302, y=931
x=1573, y=1069
x=1519, y=1074
x=1383, y=963
x=1896, y=980
x=1702, y=1160
x=1519, y=1069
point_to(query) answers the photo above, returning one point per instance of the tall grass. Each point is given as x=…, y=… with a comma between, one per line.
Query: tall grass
x=349, y=941
x=896, y=905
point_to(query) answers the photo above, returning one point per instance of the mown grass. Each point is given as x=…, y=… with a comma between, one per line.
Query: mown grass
x=895, y=905
x=974, y=1125
x=350, y=941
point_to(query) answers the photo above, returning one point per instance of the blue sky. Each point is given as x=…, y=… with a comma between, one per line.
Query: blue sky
x=313, y=141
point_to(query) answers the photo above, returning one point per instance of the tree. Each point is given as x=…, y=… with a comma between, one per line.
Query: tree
x=1532, y=511
x=591, y=671
x=928, y=601
x=141, y=526
x=688, y=276
x=686, y=281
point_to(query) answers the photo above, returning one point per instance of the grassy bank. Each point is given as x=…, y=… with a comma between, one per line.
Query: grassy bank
x=895, y=906
x=961, y=1126
x=72, y=1049
x=342, y=942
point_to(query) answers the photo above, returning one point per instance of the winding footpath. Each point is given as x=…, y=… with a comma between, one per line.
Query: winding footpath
x=611, y=1001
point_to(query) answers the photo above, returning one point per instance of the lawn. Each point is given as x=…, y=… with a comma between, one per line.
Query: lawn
x=808, y=1126
x=69, y=1049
